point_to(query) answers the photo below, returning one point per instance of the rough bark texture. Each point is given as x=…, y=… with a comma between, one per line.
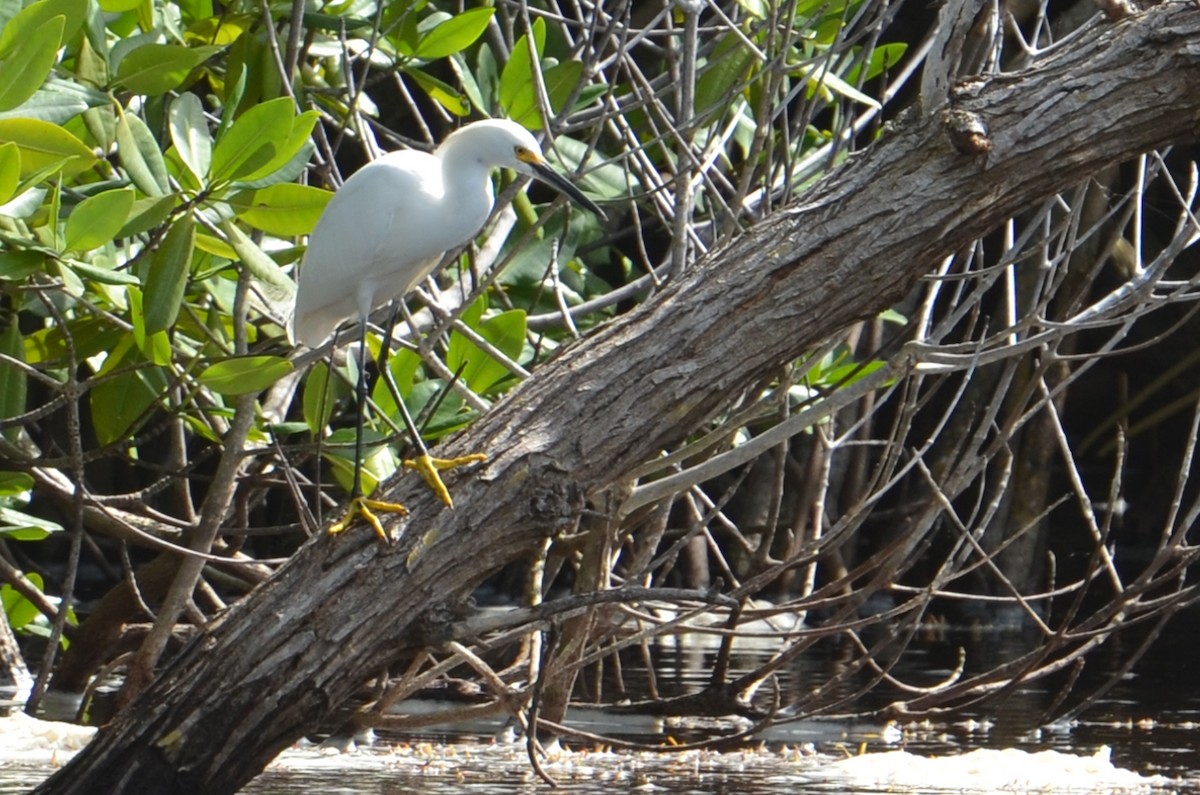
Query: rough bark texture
x=337, y=613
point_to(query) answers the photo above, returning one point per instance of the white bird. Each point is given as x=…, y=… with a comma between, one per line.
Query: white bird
x=385, y=230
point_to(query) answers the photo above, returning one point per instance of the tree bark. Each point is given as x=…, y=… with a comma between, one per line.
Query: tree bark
x=344, y=607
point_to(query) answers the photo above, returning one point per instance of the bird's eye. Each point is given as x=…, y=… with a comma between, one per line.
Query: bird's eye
x=523, y=154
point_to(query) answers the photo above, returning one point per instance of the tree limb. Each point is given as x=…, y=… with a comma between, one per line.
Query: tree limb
x=277, y=662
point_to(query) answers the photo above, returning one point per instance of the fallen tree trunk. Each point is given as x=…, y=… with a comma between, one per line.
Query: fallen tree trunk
x=344, y=607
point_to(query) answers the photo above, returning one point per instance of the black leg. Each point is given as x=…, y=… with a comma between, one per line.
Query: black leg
x=362, y=409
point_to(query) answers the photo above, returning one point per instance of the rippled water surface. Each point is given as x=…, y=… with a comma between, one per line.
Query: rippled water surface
x=1150, y=720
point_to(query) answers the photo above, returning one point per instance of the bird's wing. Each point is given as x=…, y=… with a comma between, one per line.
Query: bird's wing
x=373, y=242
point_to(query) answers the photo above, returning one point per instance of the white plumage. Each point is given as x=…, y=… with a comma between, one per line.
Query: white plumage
x=391, y=222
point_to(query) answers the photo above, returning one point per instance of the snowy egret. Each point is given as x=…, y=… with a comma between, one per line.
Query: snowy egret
x=384, y=231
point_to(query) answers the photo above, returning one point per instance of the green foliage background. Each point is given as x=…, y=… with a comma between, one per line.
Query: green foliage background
x=162, y=162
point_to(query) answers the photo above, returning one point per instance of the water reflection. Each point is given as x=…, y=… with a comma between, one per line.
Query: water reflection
x=1149, y=719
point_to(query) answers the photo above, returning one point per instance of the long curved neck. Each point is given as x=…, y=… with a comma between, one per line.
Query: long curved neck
x=466, y=178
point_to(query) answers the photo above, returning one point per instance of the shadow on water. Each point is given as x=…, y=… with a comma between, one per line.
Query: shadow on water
x=1150, y=719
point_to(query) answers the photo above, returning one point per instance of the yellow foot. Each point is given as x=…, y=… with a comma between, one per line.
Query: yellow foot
x=361, y=506
x=429, y=468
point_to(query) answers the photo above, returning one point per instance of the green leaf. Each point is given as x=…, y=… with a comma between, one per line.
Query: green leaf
x=561, y=80
x=91, y=336
x=455, y=34
x=288, y=172
x=168, y=276
x=445, y=94
x=20, y=611
x=260, y=264
x=141, y=155
x=297, y=139
x=119, y=6
x=100, y=274
x=379, y=463
x=320, y=398
x=15, y=484
x=727, y=67
x=284, y=210
x=10, y=171
x=189, y=133
x=517, y=87
x=885, y=56
x=155, y=69
x=97, y=219
x=244, y=375
x=18, y=265
x=148, y=213
x=45, y=146
x=23, y=73
x=117, y=404
x=13, y=380
x=121, y=402
x=22, y=26
x=20, y=526
x=480, y=372
x=449, y=416
x=470, y=82
x=154, y=345
x=821, y=80
x=403, y=365
x=58, y=101
x=252, y=141
x=604, y=177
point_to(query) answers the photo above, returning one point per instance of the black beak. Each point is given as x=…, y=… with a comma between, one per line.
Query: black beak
x=560, y=183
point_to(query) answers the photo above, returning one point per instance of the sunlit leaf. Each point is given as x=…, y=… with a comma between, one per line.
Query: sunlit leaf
x=320, y=398
x=23, y=25
x=454, y=34
x=19, y=526
x=148, y=213
x=97, y=219
x=727, y=68
x=189, y=133
x=13, y=380
x=517, y=87
x=446, y=95
x=168, y=276
x=561, y=81
x=403, y=365
x=379, y=463
x=155, y=346
x=121, y=402
x=260, y=264
x=245, y=374
x=297, y=139
x=479, y=370
x=253, y=140
x=155, y=69
x=58, y=101
x=141, y=155
x=285, y=210
x=46, y=146
x=885, y=56
x=119, y=6
x=20, y=611
x=24, y=72
x=820, y=79
x=10, y=171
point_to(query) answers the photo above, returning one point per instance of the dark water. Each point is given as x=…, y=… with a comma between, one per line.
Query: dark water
x=1150, y=720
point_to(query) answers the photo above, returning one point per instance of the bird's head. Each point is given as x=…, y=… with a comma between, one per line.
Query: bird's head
x=506, y=144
